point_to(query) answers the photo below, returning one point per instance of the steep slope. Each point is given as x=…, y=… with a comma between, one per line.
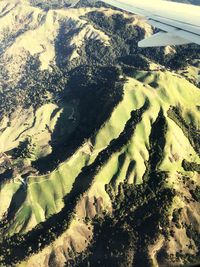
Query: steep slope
x=99, y=141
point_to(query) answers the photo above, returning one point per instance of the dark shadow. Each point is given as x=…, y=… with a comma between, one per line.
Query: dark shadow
x=121, y=160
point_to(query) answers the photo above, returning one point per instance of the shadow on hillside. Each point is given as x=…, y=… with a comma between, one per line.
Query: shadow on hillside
x=97, y=91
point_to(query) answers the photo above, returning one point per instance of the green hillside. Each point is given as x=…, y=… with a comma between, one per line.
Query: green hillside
x=118, y=153
x=99, y=140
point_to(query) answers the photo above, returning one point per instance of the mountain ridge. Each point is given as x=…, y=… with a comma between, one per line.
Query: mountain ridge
x=93, y=139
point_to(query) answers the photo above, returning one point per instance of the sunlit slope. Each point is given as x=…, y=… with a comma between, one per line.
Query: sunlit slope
x=170, y=90
x=125, y=160
x=28, y=123
x=95, y=134
x=46, y=192
x=27, y=30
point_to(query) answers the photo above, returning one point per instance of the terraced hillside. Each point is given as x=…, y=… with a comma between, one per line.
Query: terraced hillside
x=99, y=141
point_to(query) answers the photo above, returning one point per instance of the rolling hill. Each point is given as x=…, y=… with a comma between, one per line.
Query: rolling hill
x=99, y=140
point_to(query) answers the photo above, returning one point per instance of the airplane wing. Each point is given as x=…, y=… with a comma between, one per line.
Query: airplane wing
x=179, y=23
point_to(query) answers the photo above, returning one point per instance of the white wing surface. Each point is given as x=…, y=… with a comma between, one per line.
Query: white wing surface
x=180, y=23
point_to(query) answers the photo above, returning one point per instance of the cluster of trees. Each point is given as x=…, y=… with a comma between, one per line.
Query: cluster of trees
x=138, y=61
x=123, y=38
x=157, y=141
x=25, y=149
x=50, y=4
x=195, y=236
x=196, y=193
x=35, y=88
x=190, y=166
x=189, y=130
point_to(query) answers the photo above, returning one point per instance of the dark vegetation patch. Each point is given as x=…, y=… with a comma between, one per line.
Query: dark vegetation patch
x=157, y=144
x=184, y=55
x=17, y=201
x=6, y=175
x=137, y=61
x=50, y=4
x=35, y=88
x=189, y=130
x=190, y=166
x=194, y=235
x=196, y=193
x=124, y=39
x=154, y=84
x=24, y=150
x=176, y=217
